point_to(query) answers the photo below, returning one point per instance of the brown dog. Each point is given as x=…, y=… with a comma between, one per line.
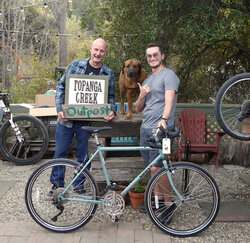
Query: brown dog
x=131, y=74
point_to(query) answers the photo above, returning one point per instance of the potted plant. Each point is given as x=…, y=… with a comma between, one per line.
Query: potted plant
x=136, y=195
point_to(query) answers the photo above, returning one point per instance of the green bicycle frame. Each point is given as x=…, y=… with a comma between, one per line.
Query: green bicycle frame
x=138, y=178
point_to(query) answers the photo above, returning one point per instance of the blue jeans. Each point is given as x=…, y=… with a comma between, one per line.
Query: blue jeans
x=64, y=137
x=148, y=156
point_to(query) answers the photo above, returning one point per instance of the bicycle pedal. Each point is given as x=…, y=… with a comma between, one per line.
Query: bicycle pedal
x=114, y=218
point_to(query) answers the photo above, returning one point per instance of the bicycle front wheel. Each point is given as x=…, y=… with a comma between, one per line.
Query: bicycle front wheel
x=232, y=106
x=55, y=213
x=200, y=203
x=35, y=140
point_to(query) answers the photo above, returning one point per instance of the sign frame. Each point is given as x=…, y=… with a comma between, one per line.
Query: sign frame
x=86, y=106
x=94, y=77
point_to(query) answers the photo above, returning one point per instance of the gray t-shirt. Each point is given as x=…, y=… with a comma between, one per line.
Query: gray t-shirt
x=166, y=79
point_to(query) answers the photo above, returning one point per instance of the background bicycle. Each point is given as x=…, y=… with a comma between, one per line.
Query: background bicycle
x=24, y=139
x=235, y=92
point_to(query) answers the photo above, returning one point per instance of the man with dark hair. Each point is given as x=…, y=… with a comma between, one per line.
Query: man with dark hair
x=157, y=100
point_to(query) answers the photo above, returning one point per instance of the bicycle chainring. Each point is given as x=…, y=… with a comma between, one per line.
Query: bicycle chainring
x=113, y=205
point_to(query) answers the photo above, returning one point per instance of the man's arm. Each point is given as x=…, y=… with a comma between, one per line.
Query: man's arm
x=169, y=102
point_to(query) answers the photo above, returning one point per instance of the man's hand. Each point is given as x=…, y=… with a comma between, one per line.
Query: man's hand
x=110, y=116
x=144, y=90
x=162, y=123
x=140, y=103
x=61, y=116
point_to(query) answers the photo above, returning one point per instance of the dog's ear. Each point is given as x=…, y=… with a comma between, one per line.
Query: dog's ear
x=123, y=68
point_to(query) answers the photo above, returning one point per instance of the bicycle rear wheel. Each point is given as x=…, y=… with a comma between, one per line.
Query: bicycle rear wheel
x=34, y=145
x=232, y=106
x=196, y=212
x=45, y=209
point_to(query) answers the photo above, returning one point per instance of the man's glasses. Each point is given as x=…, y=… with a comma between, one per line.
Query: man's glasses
x=149, y=56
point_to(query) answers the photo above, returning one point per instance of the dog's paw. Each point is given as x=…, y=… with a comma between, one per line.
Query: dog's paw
x=122, y=113
x=128, y=117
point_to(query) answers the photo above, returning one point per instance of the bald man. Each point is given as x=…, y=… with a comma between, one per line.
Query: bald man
x=67, y=129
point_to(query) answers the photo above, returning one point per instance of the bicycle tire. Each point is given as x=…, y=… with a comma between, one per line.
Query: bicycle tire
x=235, y=90
x=200, y=205
x=42, y=210
x=36, y=140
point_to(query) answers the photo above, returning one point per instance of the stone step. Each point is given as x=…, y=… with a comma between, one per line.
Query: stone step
x=119, y=168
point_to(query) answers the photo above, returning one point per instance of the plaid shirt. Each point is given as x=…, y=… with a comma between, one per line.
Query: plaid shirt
x=79, y=67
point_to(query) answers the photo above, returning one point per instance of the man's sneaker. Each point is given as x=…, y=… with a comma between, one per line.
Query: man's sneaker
x=167, y=214
x=51, y=192
x=80, y=191
x=142, y=208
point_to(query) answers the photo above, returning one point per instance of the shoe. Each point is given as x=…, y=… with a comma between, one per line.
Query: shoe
x=80, y=191
x=142, y=208
x=166, y=215
x=52, y=190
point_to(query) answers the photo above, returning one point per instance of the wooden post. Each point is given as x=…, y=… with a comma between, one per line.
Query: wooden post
x=246, y=125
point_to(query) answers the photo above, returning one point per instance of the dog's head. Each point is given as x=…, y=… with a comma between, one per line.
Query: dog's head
x=131, y=68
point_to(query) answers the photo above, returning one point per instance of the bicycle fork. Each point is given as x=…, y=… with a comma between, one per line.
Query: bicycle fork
x=15, y=128
x=169, y=172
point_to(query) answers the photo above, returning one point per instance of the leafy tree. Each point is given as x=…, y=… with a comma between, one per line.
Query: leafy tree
x=206, y=42
x=41, y=79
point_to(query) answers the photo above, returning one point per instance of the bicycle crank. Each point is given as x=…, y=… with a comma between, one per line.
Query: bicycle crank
x=113, y=205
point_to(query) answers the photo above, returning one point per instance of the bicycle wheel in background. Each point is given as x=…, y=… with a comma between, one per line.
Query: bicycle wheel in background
x=195, y=213
x=34, y=146
x=45, y=210
x=232, y=106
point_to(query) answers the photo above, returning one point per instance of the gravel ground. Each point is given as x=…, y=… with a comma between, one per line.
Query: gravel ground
x=13, y=209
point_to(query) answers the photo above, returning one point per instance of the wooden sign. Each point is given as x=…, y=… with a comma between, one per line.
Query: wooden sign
x=86, y=96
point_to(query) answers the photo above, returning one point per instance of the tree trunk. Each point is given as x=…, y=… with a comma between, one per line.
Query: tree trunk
x=4, y=66
x=59, y=10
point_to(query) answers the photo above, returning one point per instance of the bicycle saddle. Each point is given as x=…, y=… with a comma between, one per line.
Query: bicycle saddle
x=95, y=129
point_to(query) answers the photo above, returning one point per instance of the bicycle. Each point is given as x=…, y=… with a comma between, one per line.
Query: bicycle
x=232, y=106
x=193, y=191
x=24, y=139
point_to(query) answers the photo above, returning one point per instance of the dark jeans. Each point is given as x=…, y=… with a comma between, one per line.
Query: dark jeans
x=149, y=156
x=64, y=137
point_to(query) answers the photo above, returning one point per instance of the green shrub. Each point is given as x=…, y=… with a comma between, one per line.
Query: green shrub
x=39, y=78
